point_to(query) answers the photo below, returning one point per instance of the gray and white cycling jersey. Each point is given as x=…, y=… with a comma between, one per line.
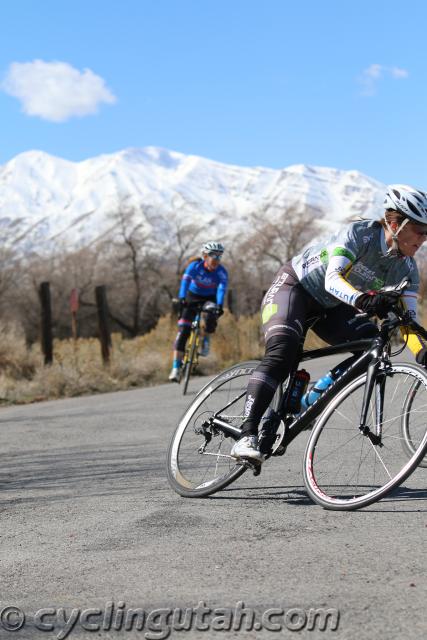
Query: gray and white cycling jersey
x=354, y=261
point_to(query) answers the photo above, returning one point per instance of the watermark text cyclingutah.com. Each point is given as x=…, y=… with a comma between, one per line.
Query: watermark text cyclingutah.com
x=158, y=624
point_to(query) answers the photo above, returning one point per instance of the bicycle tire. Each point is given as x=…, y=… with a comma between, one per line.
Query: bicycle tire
x=343, y=470
x=192, y=347
x=408, y=426
x=196, y=475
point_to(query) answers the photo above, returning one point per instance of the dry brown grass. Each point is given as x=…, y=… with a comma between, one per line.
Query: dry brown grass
x=78, y=369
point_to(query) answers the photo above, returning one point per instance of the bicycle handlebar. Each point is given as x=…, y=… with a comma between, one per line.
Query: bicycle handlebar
x=403, y=319
x=198, y=305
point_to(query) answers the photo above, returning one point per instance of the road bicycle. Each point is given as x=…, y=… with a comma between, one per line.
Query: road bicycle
x=368, y=428
x=192, y=348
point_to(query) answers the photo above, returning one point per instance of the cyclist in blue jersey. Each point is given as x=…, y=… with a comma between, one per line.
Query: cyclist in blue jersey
x=205, y=279
x=326, y=287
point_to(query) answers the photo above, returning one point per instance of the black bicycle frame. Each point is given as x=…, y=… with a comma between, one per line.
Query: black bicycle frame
x=369, y=361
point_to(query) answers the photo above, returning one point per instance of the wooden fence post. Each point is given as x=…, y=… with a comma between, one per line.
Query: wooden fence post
x=46, y=322
x=103, y=324
x=74, y=307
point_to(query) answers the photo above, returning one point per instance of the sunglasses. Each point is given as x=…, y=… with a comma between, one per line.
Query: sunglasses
x=217, y=256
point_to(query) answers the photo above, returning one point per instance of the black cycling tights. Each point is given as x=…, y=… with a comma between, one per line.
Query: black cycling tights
x=280, y=354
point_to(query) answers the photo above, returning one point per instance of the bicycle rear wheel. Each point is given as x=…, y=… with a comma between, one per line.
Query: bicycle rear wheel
x=343, y=469
x=198, y=460
x=413, y=415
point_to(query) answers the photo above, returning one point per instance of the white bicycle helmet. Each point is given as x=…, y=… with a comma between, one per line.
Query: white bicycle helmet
x=213, y=246
x=410, y=202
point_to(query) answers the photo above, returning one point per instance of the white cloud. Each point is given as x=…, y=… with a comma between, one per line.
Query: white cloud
x=372, y=75
x=396, y=72
x=374, y=71
x=55, y=91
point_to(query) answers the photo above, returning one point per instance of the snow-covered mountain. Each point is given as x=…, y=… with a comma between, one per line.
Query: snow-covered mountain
x=44, y=199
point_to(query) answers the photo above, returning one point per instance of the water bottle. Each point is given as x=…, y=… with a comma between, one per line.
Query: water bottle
x=318, y=388
x=298, y=389
x=323, y=383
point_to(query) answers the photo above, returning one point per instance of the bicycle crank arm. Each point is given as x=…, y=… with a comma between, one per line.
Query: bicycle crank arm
x=216, y=455
x=254, y=466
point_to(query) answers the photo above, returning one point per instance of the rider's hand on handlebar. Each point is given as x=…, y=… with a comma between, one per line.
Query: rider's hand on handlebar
x=378, y=304
x=178, y=305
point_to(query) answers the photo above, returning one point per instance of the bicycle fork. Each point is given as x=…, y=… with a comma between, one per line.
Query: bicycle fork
x=375, y=383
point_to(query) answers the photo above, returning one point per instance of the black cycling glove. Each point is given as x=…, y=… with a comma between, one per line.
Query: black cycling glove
x=377, y=304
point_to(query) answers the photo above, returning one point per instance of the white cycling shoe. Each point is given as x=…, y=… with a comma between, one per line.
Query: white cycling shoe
x=247, y=447
x=175, y=375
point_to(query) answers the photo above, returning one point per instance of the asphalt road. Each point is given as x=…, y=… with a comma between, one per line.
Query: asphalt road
x=90, y=530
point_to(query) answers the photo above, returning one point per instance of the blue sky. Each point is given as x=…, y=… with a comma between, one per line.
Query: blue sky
x=247, y=82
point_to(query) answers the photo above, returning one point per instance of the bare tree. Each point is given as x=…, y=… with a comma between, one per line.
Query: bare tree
x=277, y=234
x=182, y=238
x=135, y=274
x=64, y=270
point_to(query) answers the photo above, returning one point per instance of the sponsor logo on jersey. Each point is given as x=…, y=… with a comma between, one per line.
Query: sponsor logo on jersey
x=364, y=272
x=324, y=257
x=340, y=294
x=377, y=283
x=310, y=262
x=268, y=312
x=275, y=288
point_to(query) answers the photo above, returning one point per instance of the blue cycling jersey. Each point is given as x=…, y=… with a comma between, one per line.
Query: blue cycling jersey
x=200, y=281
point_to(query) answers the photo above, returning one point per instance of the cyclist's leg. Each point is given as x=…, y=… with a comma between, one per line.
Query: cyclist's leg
x=337, y=325
x=341, y=324
x=208, y=327
x=184, y=329
x=285, y=310
x=210, y=319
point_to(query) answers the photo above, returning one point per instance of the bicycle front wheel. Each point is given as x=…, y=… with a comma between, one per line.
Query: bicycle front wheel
x=345, y=469
x=199, y=461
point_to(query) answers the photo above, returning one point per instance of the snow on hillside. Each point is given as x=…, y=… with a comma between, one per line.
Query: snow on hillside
x=48, y=199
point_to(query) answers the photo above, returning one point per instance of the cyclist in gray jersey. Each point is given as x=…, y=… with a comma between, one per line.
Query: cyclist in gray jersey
x=327, y=286
x=361, y=252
